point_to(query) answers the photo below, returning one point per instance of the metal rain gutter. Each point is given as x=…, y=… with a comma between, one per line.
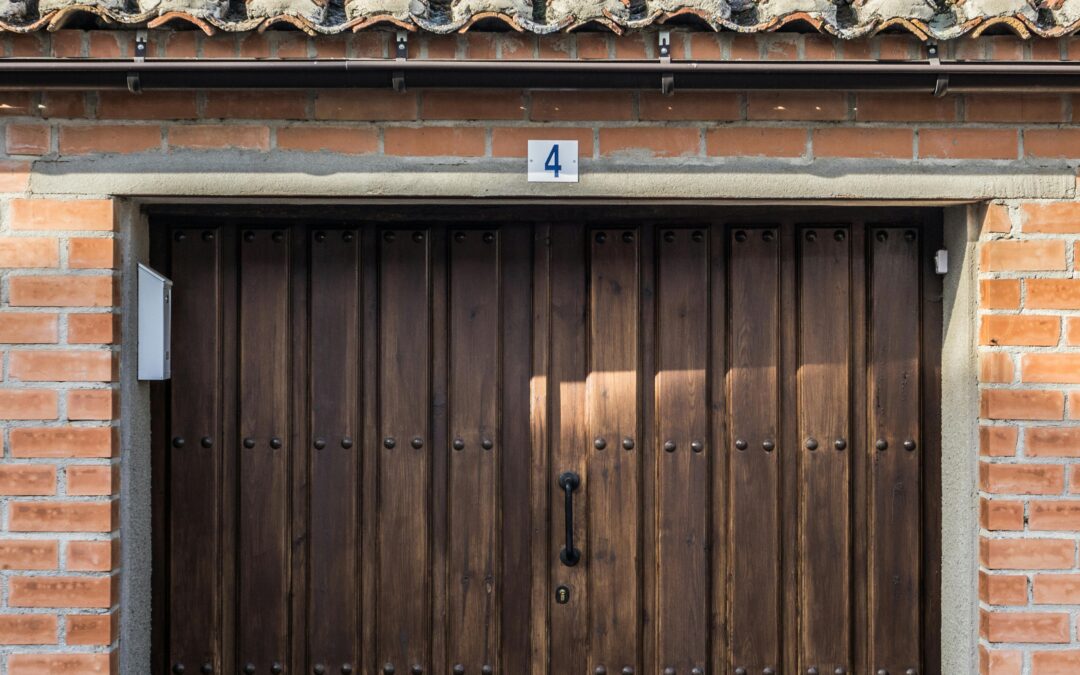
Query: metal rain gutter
x=917, y=76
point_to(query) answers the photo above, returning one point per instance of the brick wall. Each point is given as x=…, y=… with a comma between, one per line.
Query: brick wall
x=1029, y=368
x=57, y=533
x=58, y=289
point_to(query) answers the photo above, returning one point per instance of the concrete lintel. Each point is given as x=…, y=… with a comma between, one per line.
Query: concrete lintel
x=233, y=174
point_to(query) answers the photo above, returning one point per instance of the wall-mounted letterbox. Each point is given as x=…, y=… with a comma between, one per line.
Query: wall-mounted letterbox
x=155, y=325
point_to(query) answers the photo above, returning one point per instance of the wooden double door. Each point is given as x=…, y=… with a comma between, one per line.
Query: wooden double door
x=532, y=449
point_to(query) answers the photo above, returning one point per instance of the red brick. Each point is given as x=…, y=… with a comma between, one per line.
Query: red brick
x=819, y=47
x=1035, y=554
x=89, y=481
x=61, y=442
x=556, y=46
x=480, y=45
x=709, y=106
x=592, y=45
x=657, y=142
x=755, y=142
x=351, y=104
x=1022, y=479
x=29, y=252
x=28, y=629
x=1055, y=663
x=89, y=556
x=968, y=143
x=1072, y=331
x=1025, y=108
x=89, y=629
x=704, y=47
x=291, y=45
x=89, y=404
x=1001, y=514
x=109, y=138
x=256, y=105
x=28, y=554
x=582, y=105
x=59, y=664
x=1022, y=404
x=477, y=105
x=151, y=105
x=28, y=404
x=995, y=367
x=1050, y=368
x=516, y=46
x=50, y=214
x=91, y=328
x=61, y=291
x=1052, y=143
x=898, y=47
x=28, y=328
x=1000, y=662
x=1051, y=218
x=1003, y=589
x=781, y=48
x=59, y=516
x=996, y=219
x=1027, y=627
x=343, y=140
x=105, y=44
x=27, y=480
x=254, y=45
x=1022, y=256
x=219, y=137
x=219, y=46
x=180, y=44
x=863, y=142
x=27, y=139
x=1056, y=589
x=1052, y=442
x=63, y=105
x=513, y=141
x=434, y=141
x=745, y=47
x=56, y=366
x=1019, y=330
x=998, y=441
x=14, y=175
x=999, y=293
x=68, y=43
x=787, y=105
x=26, y=44
x=1054, y=515
x=91, y=253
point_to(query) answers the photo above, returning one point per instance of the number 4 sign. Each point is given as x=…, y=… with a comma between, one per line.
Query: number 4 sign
x=553, y=161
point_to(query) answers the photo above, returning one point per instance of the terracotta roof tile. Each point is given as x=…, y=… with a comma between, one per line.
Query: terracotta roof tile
x=940, y=19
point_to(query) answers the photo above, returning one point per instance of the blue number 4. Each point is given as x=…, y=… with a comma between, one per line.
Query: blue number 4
x=552, y=161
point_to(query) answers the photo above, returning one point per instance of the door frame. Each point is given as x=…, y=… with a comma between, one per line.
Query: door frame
x=589, y=215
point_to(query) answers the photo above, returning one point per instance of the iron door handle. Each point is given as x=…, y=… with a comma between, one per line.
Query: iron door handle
x=569, y=481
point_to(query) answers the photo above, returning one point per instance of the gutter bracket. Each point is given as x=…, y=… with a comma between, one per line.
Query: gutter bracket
x=140, y=45
x=667, y=80
x=134, y=84
x=941, y=86
x=401, y=53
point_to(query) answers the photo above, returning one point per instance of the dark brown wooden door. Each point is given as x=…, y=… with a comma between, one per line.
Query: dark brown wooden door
x=357, y=460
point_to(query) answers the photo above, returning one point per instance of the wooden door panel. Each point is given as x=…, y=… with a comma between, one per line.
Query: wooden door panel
x=612, y=470
x=403, y=605
x=263, y=446
x=754, y=451
x=824, y=523
x=474, y=580
x=410, y=395
x=682, y=452
x=195, y=451
x=332, y=450
x=894, y=446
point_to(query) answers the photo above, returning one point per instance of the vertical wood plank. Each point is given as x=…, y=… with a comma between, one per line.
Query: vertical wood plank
x=542, y=434
x=720, y=444
x=371, y=447
x=754, y=553
x=194, y=448
x=332, y=449
x=473, y=544
x=681, y=451
x=404, y=471
x=299, y=437
x=931, y=237
x=894, y=542
x=517, y=491
x=439, y=442
x=570, y=628
x=823, y=331
x=647, y=369
x=857, y=448
x=262, y=549
x=612, y=405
